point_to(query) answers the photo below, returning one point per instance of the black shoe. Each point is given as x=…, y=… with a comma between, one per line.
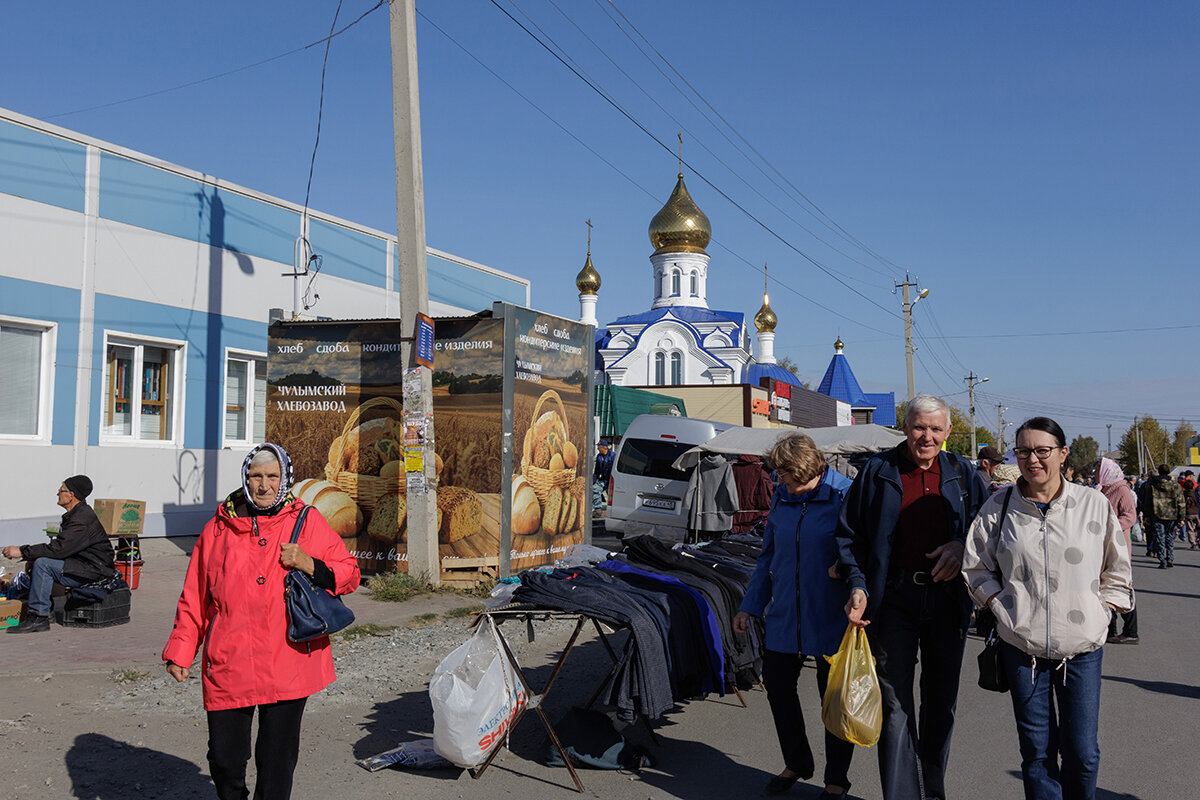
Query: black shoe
x=33, y=623
x=828, y=795
x=1123, y=639
x=1162, y=566
x=780, y=784
x=1170, y=562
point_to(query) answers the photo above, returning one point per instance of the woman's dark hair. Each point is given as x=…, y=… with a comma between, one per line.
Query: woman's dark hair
x=1045, y=425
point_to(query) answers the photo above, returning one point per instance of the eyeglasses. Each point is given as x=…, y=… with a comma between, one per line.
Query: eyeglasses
x=1042, y=453
x=64, y=491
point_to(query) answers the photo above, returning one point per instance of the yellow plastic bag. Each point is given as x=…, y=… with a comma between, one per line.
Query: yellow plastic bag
x=852, y=708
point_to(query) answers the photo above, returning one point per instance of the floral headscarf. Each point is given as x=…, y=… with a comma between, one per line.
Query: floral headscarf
x=286, y=478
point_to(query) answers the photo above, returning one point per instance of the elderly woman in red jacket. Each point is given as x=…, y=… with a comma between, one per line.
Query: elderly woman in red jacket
x=232, y=604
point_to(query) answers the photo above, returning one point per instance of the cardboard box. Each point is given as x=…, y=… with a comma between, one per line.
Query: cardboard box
x=121, y=517
x=10, y=610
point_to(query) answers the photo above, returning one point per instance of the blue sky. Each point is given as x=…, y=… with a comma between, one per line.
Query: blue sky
x=1034, y=165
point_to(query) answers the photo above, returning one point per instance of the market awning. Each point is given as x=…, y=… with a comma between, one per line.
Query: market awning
x=616, y=406
x=840, y=440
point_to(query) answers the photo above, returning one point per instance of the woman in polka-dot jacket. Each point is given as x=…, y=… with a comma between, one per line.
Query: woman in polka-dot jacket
x=1048, y=558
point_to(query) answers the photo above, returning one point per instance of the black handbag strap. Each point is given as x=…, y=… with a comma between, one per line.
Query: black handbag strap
x=1004, y=510
x=304, y=513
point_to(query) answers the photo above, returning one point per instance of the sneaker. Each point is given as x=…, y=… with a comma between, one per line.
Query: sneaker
x=33, y=623
x=1170, y=562
x=1162, y=566
x=1123, y=639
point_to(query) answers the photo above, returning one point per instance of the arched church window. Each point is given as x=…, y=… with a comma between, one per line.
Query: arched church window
x=660, y=369
x=675, y=283
x=676, y=369
x=695, y=285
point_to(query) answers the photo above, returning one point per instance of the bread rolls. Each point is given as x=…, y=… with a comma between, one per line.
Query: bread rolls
x=336, y=506
x=526, y=510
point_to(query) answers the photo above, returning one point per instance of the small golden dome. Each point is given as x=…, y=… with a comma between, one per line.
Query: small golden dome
x=765, y=320
x=588, y=279
x=837, y=346
x=680, y=226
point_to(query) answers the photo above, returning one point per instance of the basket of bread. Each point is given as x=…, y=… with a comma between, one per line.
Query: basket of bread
x=366, y=461
x=548, y=458
x=563, y=511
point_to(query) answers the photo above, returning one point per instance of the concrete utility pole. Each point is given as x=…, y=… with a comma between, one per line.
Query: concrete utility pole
x=908, y=345
x=423, y=558
x=1000, y=409
x=1109, y=438
x=971, y=380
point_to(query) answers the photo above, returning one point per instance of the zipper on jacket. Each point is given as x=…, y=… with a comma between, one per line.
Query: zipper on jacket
x=1046, y=573
x=208, y=642
x=796, y=542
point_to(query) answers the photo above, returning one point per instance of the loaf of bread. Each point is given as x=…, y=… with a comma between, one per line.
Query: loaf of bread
x=552, y=512
x=390, y=519
x=461, y=513
x=526, y=510
x=363, y=438
x=570, y=455
x=336, y=506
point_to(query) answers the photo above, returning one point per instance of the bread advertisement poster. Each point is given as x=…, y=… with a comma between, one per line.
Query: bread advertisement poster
x=334, y=403
x=550, y=499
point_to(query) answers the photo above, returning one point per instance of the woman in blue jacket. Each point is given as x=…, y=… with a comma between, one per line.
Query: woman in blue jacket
x=801, y=604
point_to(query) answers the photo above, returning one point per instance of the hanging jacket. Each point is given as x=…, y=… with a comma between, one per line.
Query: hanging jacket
x=712, y=496
x=1051, y=575
x=232, y=604
x=791, y=588
x=754, y=491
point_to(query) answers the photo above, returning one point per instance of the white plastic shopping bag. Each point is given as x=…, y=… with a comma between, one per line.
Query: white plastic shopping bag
x=475, y=694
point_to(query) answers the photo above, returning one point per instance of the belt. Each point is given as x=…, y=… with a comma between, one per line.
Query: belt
x=919, y=578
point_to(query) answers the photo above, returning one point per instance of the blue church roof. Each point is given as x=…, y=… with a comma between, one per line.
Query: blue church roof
x=885, y=408
x=685, y=313
x=840, y=384
x=755, y=372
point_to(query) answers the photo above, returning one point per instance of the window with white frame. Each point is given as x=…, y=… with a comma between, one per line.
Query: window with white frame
x=245, y=398
x=143, y=381
x=675, y=276
x=660, y=369
x=676, y=368
x=26, y=364
x=695, y=285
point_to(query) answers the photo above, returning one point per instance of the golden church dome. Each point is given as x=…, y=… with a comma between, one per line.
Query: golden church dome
x=838, y=346
x=680, y=226
x=588, y=279
x=765, y=320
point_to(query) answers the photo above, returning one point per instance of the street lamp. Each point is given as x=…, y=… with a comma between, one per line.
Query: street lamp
x=908, y=345
x=971, y=380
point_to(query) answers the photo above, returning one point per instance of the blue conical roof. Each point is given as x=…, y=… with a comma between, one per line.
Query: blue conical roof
x=839, y=383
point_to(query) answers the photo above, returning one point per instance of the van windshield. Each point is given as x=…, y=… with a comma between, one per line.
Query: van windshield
x=652, y=458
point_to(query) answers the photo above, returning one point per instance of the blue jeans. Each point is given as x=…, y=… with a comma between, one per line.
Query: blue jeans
x=1164, y=540
x=1057, y=708
x=914, y=745
x=45, y=573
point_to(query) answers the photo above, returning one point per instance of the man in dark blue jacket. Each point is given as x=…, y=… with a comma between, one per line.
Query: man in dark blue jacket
x=901, y=536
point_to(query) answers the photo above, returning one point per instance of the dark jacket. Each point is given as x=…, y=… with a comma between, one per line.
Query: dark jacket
x=791, y=588
x=604, y=465
x=82, y=546
x=869, y=514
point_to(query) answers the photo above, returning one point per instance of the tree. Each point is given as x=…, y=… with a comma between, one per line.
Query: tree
x=791, y=366
x=1154, y=439
x=1084, y=452
x=1179, y=453
x=959, y=440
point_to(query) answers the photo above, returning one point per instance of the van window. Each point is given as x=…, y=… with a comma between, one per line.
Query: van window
x=652, y=458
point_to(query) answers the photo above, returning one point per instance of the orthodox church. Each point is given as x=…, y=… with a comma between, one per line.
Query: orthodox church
x=679, y=340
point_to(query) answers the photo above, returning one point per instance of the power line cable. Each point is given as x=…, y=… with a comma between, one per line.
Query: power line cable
x=829, y=221
x=224, y=74
x=698, y=174
x=630, y=179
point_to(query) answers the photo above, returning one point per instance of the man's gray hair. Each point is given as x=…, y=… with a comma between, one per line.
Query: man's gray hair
x=926, y=404
x=263, y=456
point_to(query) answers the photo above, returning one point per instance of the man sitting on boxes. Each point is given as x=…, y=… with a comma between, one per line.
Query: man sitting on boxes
x=80, y=554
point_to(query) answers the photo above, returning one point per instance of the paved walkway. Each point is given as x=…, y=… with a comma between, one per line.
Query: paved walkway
x=140, y=641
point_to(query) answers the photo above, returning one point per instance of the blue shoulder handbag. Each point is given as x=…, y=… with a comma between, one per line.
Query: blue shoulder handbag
x=312, y=612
